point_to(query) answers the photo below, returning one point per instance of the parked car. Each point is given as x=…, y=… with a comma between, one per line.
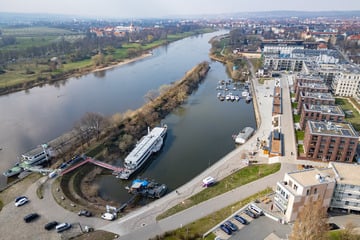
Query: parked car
x=62, y=227
x=85, y=213
x=232, y=226
x=250, y=213
x=241, y=219
x=51, y=225
x=108, y=216
x=19, y=201
x=31, y=217
x=225, y=229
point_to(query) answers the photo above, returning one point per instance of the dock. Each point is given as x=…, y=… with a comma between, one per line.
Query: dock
x=115, y=169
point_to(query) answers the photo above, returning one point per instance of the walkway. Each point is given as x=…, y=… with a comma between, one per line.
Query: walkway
x=96, y=162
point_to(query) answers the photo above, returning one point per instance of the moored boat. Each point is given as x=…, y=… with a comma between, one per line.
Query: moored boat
x=244, y=135
x=150, y=143
x=13, y=171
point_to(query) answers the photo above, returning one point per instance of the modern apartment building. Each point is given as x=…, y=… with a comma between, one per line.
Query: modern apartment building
x=303, y=187
x=310, y=87
x=329, y=141
x=313, y=112
x=346, y=84
x=347, y=190
x=314, y=98
x=336, y=186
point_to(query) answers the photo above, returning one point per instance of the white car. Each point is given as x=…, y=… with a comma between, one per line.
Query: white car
x=108, y=216
x=21, y=201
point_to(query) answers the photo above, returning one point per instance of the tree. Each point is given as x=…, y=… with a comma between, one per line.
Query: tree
x=349, y=232
x=91, y=123
x=311, y=223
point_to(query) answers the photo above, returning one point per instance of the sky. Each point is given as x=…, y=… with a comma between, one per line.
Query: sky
x=166, y=8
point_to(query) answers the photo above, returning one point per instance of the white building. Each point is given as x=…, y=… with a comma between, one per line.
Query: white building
x=346, y=84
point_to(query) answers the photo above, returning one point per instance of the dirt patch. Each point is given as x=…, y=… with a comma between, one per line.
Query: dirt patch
x=99, y=235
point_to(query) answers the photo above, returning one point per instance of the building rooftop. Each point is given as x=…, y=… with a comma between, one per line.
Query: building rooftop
x=317, y=95
x=313, y=176
x=346, y=173
x=333, y=129
x=316, y=85
x=309, y=77
x=328, y=109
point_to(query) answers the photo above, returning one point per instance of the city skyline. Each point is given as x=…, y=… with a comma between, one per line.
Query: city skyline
x=165, y=8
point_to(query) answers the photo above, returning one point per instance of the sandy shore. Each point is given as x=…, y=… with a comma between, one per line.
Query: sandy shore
x=124, y=62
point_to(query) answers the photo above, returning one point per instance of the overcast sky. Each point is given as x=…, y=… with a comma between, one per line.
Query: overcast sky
x=163, y=8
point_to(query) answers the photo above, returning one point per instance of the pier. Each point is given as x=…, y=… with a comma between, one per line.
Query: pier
x=115, y=169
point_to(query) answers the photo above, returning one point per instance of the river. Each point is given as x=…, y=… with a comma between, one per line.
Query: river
x=200, y=132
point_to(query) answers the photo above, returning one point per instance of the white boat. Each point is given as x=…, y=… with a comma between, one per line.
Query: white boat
x=244, y=135
x=237, y=98
x=245, y=93
x=36, y=156
x=248, y=98
x=150, y=143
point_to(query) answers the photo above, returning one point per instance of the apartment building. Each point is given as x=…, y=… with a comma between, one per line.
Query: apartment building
x=347, y=190
x=313, y=112
x=336, y=186
x=346, y=84
x=310, y=87
x=303, y=187
x=314, y=98
x=329, y=141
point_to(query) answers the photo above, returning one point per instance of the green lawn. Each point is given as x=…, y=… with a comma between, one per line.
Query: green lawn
x=296, y=118
x=239, y=178
x=299, y=135
x=346, y=106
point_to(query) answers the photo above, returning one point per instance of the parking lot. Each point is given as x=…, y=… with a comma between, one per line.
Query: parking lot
x=251, y=230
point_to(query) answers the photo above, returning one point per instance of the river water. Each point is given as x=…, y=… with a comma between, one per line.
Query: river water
x=200, y=132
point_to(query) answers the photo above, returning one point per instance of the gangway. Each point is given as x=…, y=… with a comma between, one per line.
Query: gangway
x=115, y=169
x=75, y=166
x=106, y=165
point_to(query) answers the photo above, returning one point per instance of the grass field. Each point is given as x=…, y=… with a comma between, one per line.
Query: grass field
x=347, y=106
x=34, y=31
x=239, y=178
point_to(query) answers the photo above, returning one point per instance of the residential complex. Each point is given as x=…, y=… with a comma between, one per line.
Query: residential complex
x=316, y=112
x=336, y=186
x=328, y=141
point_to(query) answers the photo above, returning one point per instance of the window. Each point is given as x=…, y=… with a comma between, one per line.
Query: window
x=315, y=191
x=295, y=187
x=307, y=192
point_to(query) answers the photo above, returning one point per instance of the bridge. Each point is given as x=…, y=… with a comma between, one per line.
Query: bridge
x=115, y=169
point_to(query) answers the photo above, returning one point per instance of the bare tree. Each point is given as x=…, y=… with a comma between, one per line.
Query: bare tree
x=91, y=123
x=151, y=95
x=311, y=224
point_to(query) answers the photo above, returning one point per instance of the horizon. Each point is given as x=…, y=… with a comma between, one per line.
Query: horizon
x=165, y=9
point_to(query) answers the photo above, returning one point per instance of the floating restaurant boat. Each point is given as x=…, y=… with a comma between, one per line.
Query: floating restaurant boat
x=244, y=135
x=150, y=143
x=30, y=159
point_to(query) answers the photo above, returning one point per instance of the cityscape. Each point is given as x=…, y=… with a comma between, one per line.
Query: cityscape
x=178, y=123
